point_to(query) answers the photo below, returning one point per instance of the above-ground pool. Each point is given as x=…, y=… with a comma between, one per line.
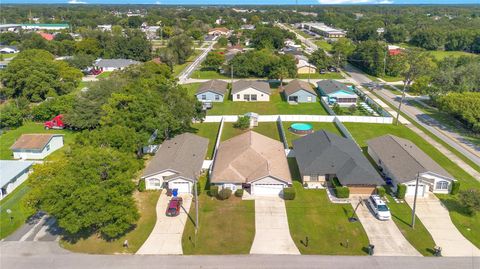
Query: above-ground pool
x=301, y=128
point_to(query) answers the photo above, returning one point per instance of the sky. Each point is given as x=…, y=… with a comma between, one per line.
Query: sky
x=243, y=2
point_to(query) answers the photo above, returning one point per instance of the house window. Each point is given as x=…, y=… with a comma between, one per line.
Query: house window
x=253, y=97
x=313, y=177
x=48, y=147
x=309, y=98
x=217, y=97
x=246, y=97
x=156, y=182
x=442, y=185
x=238, y=96
x=204, y=97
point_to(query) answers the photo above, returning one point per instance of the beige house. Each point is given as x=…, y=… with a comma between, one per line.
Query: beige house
x=251, y=91
x=304, y=67
x=254, y=162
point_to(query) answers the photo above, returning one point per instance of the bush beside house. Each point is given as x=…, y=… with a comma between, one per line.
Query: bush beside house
x=289, y=193
x=455, y=187
x=340, y=191
x=213, y=191
x=239, y=193
x=224, y=194
x=381, y=191
x=401, y=191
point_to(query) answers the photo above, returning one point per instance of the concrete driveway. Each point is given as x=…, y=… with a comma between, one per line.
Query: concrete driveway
x=166, y=237
x=437, y=220
x=384, y=235
x=272, y=235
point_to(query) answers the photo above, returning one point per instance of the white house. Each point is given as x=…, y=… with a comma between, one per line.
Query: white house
x=113, y=64
x=9, y=50
x=251, y=91
x=177, y=163
x=12, y=174
x=402, y=162
x=36, y=146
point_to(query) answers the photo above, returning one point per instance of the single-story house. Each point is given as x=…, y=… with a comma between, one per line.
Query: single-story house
x=304, y=67
x=394, y=50
x=219, y=31
x=36, y=146
x=176, y=164
x=46, y=36
x=401, y=161
x=298, y=91
x=337, y=92
x=9, y=50
x=251, y=161
x=113, y=64
x=251, y=91
x=247, y=27
x=12, y=174
x=323, y=156
x=212, y=91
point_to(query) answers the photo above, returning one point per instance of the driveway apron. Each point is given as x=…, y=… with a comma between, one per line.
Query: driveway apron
x=436, y=219
x=384, y=235
x=166, y=236
x=272, y=235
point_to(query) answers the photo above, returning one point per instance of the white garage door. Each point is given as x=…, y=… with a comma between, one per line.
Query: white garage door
x=182, y=186
x=267, y=189
x=411, y=190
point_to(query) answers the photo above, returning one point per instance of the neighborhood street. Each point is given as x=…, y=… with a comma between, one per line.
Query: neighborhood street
x=188, y=71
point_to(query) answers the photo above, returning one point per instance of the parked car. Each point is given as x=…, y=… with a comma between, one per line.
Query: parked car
x=174, y=206
x=323, y=71
x=332, y=69
x=379, y=208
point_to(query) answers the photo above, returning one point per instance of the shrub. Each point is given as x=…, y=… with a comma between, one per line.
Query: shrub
x=381, y=191
x=141, y=185
x=455, y=187
x=401, y=190
x=199, y=188
x=239, y=193
x=213, y=191
x=224, y=194
x=289, y=193
x=342, y=192
x=471, y=200
x=242, y=122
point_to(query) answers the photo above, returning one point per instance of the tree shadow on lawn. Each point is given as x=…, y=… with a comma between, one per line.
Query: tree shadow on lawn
x=454, y=205
x=86, y=233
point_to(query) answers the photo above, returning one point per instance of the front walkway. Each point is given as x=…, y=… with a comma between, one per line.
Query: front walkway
x=272, y=235
x=166, y=237
x=384, y=235
x=436, y=219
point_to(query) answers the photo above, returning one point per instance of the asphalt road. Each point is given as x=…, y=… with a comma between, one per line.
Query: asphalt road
x=39, y=255
x=188, y=71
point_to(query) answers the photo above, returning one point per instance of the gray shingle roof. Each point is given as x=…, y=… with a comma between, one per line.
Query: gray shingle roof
x=184, y=154
x=330, y=86
x=297, y=85
x=322, y=153
x=116, y=63
x=10, y=169
x=243, y=84
x=216, y=86
x=403, y=159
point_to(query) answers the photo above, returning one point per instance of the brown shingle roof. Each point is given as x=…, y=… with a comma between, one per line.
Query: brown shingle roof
x=297, y=85
x=248, y=157
x=403, y=158
x=32, y=141
x=216, y=86
x=241, y=85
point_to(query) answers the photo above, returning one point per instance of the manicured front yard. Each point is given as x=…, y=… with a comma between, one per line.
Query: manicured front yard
x=419, y=237
x=208, y=130
x=325, y=224
x=269, y=129
x=146, y=203
x=225, y=227
x=19, y=213
x=276, y=105
x=324, y=45
x=329, y=126
x=105, y=74
x=469, y=226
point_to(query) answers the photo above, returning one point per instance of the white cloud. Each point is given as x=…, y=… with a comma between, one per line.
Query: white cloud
x=76, y=2
x=158, y=3
x=348, y=2
x=385, y=2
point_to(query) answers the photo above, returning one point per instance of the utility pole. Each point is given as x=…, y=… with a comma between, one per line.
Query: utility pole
x=415, y=201
x=385, y=62
x=231, y=74
x=401, y=101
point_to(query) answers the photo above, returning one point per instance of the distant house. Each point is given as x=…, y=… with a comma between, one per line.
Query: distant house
x=402, y=161
x=394, y=50
x=105, y=27
x=113, y=64
x=337, y=92
x=251, y=161
x=12, y=174
x=47, y=36
x=251, y=91
x=36, y=146
x=298, y=91
x=304, y=67
x=323, y=156
x=9, y=50
x=219, y=31
x=212, y=91
x=248, y=27
x=177, y=163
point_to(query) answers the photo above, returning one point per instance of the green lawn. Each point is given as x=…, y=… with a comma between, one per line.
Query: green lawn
x=208, y=130
x=324, y=45
x=204, y=74
x=469, y=226
x=9, y=56
x=326, y=224
x=329, y=126
x=177, y=69
x=391, y=79
x=419, y=237
x=440, y=54
x=360, y=111
x=392, y=89
x=9, y=137
x=329, y=75
x=276, y=105
x=146, y=202
x=19, y=212
x=105, y=74
x=225, y=227
x=269, y=129
x=191, y=88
